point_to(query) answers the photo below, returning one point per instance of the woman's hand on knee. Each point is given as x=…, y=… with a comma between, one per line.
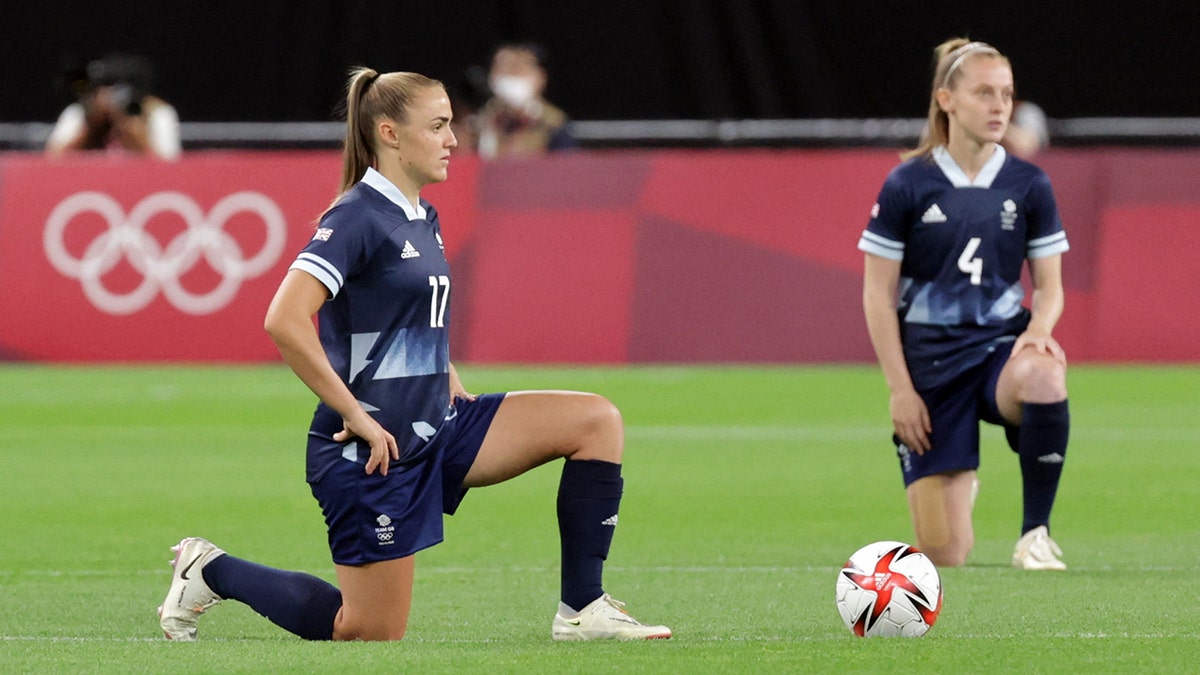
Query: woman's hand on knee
x=1042, y=344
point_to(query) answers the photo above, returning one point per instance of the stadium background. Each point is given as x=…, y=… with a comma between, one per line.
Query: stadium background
x=747, y=486
x=625, y=59
x=726, y=254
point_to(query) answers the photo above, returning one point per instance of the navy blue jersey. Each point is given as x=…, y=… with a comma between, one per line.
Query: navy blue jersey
x=384, y=325
x=962, y=245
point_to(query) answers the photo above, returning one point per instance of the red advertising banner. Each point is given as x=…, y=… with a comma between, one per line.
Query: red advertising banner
x=109, y=259
x=680, y=256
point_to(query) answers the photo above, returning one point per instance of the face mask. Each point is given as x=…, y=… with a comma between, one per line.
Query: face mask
x=514, y=90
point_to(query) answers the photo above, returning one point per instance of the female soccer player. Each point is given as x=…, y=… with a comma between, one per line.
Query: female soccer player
x=944, y=248
x=396, y=439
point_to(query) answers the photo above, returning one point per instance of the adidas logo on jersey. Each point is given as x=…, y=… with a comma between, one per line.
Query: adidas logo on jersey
x=611, y=520
x=409, y=251
x=933, y=215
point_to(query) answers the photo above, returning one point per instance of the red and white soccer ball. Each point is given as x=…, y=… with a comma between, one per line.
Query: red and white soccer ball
x=889, y=589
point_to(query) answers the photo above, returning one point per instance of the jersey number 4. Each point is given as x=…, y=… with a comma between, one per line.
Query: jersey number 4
x=440, y=294
x=966, y=263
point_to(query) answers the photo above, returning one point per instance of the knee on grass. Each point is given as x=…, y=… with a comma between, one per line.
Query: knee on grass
x=373, y=634
x=345, y=630
x=946, y=556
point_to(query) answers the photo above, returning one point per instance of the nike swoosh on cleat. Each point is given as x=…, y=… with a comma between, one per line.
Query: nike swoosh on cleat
x=184, y=574
x=572, y=622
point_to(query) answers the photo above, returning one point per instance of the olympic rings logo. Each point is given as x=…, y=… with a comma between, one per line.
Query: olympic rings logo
x=163, y=267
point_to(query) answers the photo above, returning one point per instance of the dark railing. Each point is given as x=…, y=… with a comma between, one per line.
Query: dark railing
x=896, y=132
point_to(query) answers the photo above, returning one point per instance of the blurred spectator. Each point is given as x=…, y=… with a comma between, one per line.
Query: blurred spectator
x=517, y=121
x=116, y=111
x=1028, y=131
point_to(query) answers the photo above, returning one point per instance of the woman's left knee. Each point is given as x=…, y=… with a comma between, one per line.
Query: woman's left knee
x=605, y=416
x=603, y=424
x=1043, y=379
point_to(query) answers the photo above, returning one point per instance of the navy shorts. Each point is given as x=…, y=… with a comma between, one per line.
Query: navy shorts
x=955, y=410
x=373, y=517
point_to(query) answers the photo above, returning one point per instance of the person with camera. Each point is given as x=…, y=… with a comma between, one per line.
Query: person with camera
x=115, y=111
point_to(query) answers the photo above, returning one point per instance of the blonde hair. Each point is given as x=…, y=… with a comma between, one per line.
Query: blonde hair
x=948, y=60
x=369, y=97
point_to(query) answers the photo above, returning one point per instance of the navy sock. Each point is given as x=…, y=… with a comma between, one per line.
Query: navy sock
x=296, y=602
x=589, y=495
x=1042, y=447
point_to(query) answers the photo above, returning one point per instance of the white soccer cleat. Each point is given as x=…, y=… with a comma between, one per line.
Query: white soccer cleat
x=189, y=596
x=604, y=619
x=1037, y=551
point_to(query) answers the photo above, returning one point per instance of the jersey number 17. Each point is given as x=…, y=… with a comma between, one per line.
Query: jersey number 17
x=440, y=286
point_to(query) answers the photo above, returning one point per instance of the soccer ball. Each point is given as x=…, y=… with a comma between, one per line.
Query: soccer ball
x=889, y=589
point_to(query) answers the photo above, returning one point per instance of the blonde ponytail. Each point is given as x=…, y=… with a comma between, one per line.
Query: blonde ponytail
x=371, y=96
x=358, y=152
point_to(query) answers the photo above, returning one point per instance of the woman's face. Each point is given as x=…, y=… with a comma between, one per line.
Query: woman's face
x=981, y=102
x=425, y=138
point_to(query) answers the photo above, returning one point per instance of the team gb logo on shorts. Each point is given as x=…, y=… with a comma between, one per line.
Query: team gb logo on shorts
x=386, y=531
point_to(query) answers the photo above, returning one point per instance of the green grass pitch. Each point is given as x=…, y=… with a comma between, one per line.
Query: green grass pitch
x=746, y=489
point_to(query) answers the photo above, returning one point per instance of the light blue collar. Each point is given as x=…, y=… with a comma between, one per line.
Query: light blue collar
x=386, y=188
x=958, y=178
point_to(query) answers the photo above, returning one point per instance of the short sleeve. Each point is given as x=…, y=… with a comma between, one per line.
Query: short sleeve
x=890, y=217
x=337, y=250
x=1045, y=234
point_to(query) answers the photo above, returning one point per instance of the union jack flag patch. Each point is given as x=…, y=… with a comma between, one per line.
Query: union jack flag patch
x=323, y=234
